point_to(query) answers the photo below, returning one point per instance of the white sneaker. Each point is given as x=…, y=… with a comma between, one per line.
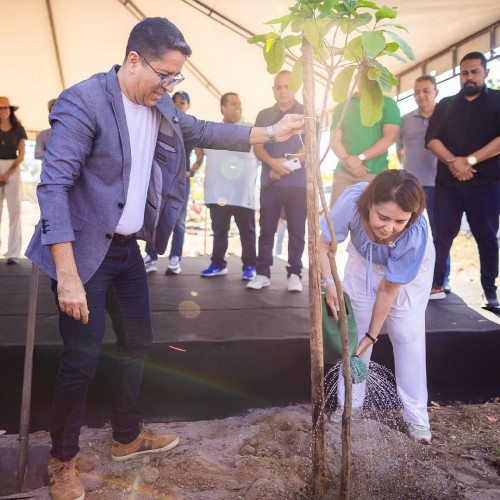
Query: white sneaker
x=294, y=283
x=419, y=433
x=150, y=264
x=259, y=282
x=174, y=265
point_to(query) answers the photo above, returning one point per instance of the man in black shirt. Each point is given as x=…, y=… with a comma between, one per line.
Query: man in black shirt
x=464, y=133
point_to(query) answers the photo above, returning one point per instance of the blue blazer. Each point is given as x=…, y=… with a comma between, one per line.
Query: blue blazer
x=86, y=172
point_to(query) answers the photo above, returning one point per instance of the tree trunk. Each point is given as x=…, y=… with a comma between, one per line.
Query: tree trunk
x=315, y=327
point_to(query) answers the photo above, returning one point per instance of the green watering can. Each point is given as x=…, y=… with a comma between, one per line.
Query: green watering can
x=332, y=344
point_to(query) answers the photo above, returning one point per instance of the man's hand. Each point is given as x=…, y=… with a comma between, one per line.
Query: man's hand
x=274, y=176
x=278, y=168
x=72, y=299
x=460, y=169
x=355, y=166
x=289, y=125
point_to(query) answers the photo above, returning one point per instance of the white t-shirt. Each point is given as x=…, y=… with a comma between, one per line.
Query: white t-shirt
x=231, y=177
x=143, y=124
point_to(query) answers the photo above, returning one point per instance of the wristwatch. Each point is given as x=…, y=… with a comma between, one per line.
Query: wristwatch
x=362, y=157
x=326, y=283
x=271, y=134
x=471, y=160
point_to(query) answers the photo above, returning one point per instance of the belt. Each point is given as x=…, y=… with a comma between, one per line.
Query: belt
x=122, y=239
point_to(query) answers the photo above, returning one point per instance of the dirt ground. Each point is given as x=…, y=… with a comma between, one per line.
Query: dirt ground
x=266, y=454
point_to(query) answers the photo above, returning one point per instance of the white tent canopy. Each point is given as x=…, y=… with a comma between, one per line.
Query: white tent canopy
x=51, y=44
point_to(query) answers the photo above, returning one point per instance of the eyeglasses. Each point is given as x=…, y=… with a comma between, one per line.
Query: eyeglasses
x=165, y=80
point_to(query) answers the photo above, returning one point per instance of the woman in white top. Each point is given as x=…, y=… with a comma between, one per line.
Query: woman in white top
x=388, y=277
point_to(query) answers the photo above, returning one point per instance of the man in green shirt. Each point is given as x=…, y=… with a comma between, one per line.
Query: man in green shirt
x=362, y=151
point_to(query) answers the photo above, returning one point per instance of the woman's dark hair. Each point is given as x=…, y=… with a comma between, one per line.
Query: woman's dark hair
x=154, y=36
x=398, y=186
x=16, y=124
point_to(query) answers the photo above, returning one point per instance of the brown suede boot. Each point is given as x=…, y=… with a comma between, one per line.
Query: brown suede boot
x=64, y=481
x=145, y=443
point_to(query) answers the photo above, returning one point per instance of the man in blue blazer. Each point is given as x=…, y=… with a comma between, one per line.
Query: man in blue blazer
x=115, y=172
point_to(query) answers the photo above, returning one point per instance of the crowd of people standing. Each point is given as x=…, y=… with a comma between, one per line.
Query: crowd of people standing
x=394, y=264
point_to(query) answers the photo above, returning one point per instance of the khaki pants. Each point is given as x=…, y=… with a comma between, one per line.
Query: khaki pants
x=342, y=180
x=12, y=192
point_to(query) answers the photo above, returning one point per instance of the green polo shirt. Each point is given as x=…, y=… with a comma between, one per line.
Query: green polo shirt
x=357, y=138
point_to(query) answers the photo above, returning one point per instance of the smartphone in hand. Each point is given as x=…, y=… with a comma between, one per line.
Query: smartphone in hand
x=293, y=164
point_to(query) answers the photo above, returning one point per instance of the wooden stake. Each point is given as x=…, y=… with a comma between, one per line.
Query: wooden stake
x=315, y=326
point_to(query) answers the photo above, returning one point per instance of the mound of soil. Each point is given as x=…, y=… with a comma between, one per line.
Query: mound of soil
x=266, y=455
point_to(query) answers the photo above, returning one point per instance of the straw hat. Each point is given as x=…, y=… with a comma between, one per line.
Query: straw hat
x=5, y=103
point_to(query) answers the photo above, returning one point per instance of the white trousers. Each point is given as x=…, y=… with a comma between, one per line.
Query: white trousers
x=12, y=192
x=405, y=326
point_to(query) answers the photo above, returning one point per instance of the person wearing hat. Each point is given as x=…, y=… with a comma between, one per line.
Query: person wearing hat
x=43, y=137
x=12, y=137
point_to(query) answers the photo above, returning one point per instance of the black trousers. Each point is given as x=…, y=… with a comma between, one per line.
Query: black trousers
x=221, y=220
x=481, y=206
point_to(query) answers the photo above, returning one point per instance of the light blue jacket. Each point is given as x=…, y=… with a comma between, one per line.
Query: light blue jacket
x=86, y=172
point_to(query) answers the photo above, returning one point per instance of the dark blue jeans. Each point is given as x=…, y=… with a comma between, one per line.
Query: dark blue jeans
x=272, y=199
x=482, y=207
x=221, y=220
x=120, y=287
x=178, y=233
x=429, y=198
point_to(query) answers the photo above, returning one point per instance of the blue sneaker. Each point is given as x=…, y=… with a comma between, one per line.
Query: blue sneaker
x=249, y=273
x=213, y=270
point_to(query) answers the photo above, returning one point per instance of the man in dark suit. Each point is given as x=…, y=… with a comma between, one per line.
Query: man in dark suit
x=114, y=172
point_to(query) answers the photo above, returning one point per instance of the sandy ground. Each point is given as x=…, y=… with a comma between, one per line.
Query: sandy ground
x=266, y=455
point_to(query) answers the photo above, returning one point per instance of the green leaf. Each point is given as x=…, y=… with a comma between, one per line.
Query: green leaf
x=262, y=38
x=321, y=53
x=311, y=32
x=351, y=3
x=296, y=25
x=373, y=42
x=292, y=41
x=348, y=25
x=373, y=74
x=354, y=50
x=367, y=5
x=392, y=47
x=382, y=75
x=295, y=81
x=396, y=56
x=279, y=20
x=274, y=54
x=328, y=7
x=337, y=51
x=363, y=19
x=393, y=25
x=385, y=13
x=324, y=25
x=371, y=102
x=404, y=46
x=340, y=87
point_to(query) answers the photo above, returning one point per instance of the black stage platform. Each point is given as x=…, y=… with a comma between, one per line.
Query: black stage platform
x=221, y=349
